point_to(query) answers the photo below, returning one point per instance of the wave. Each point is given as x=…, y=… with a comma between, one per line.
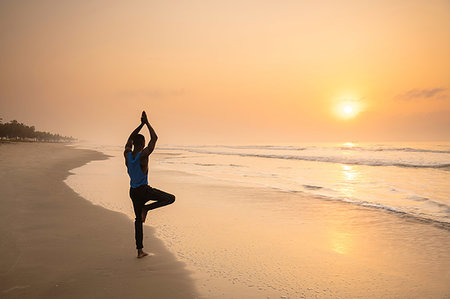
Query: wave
x=199, y=164
x=396, y=149
x=341, y=160
x=438, y=222
x=429, y=201
x=256, y=147
x=445, y=224
x=214, y=164
x=417, y=198
x=303, y=148
x=312, y=187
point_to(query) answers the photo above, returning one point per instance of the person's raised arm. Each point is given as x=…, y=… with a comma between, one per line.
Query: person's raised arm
x=153, y=137
x=129, y=144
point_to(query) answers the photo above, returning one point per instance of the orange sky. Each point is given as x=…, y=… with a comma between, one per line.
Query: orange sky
x=228, y=71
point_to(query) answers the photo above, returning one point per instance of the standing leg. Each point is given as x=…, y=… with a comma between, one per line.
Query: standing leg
x=138, y=229
x=138, y=205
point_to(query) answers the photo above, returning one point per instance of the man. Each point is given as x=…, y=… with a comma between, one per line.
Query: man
x=136, y=160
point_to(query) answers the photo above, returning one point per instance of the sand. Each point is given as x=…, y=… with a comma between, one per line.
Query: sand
x=244, y=240
x=55, y=244
x=257, y=242
x=220, y=239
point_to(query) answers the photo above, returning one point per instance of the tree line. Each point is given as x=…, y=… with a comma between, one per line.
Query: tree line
x=14, y=130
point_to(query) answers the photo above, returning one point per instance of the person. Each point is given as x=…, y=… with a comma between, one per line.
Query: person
x=136, y=160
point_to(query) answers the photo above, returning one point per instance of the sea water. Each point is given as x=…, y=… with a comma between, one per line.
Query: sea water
x=400, y=177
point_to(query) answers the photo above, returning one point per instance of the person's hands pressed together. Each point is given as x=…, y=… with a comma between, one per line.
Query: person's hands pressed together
x=144, y=118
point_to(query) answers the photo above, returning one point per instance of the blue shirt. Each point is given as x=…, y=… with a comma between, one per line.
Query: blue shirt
x=137, y=177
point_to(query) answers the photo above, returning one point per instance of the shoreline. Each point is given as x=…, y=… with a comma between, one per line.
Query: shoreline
x=366, y=205
x=58, y=244
x=221, y=239
x=362, y=174
x=245, y=240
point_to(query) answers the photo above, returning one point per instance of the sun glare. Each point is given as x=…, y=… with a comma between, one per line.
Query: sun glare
x=347, y=109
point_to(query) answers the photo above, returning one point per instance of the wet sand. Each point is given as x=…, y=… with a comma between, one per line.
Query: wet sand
x=257, y=242
x=55, y=244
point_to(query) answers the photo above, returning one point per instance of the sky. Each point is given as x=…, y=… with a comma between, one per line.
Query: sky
x=229, y=72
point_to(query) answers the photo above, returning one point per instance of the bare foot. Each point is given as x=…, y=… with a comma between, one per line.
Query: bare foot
x=144, y=214
x=141, y=254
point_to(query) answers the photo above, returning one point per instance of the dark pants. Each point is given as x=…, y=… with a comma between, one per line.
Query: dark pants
x=140, y=196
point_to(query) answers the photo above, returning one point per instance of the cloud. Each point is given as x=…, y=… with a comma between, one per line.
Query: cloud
x=432, y=93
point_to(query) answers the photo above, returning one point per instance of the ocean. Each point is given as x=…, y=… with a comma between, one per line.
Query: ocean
x=406, y=178
x=399, y=177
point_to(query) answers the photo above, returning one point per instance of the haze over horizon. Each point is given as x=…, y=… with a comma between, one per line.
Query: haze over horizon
x=229, y=72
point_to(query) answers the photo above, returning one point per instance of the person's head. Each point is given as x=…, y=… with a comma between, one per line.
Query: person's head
x=139, y=142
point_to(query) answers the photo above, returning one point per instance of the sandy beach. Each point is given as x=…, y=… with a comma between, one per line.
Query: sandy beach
x=55, y=244
x=246, y=240
x=220, y=239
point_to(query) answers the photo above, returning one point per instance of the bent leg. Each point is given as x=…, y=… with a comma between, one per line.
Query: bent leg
x=161, y=199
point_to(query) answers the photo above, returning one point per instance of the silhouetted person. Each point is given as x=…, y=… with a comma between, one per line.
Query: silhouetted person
x=136, y=160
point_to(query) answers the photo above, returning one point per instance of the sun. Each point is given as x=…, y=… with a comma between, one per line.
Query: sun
x=347, y=109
